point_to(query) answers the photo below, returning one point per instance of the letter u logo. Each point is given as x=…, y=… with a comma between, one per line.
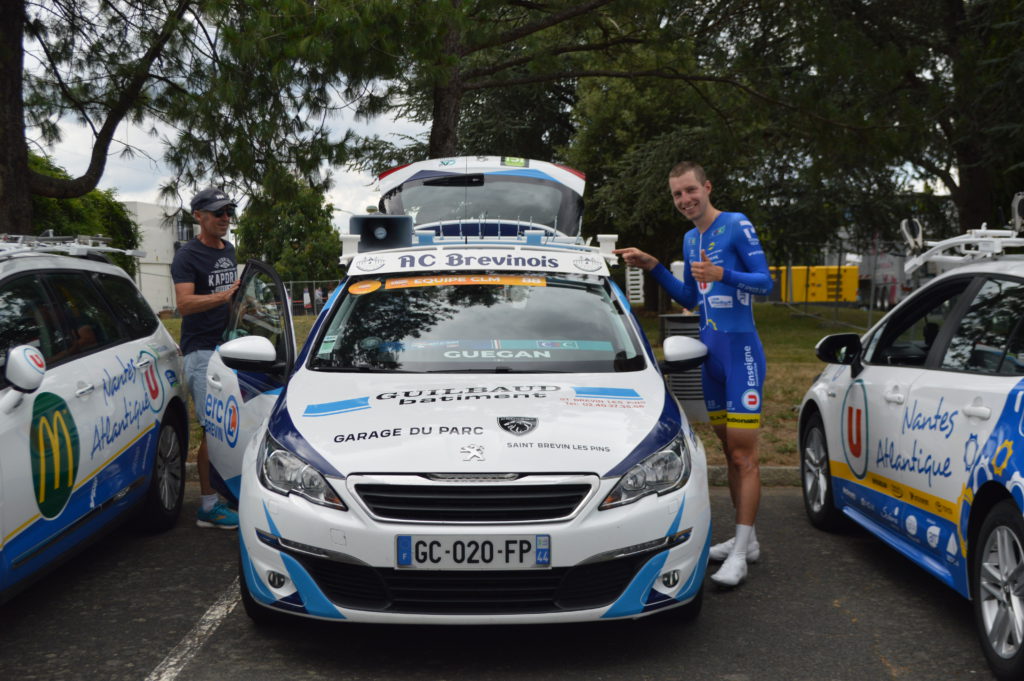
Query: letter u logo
x=54, y=449
x=854, y=438
x=152, y=382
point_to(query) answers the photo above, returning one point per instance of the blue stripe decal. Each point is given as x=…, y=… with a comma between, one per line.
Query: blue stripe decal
x=315, y=601
x=341, y=407
x=255, y=584
x=235, y=485
x=632, y=600
x=608, y=393
x=270, y=522
x=282, y=428
x=666, y=428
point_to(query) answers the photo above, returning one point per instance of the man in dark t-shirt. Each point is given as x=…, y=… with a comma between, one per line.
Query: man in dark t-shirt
x=205, y=276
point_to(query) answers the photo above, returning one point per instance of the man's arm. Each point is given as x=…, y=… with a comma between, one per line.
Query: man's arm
x=190, y=303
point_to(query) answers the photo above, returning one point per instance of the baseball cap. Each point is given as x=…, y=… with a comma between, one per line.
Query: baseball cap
x=211, y=199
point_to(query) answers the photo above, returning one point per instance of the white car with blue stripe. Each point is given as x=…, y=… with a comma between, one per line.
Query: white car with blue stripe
x=915, y=431
x=93, y=417
x=476, y=430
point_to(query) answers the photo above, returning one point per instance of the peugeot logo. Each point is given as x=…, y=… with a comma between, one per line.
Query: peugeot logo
x=472, y=453
x=517, y=425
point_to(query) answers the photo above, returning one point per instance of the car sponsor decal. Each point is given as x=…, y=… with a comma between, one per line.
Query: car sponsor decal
x=361, y=287
x=854, y=428
x=221, y=419
x=464, y=280
x=511, y=260
x=35, y=359
x=384, y=433
x=517, y=425
x=130, y=394
x=54, y=448
x=431, y=396
x=615, y=398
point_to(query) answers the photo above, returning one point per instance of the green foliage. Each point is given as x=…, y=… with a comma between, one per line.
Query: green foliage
x=290, y=228
x=97, y=213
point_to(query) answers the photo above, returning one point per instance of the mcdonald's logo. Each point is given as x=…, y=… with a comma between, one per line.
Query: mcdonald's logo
x=54, y=449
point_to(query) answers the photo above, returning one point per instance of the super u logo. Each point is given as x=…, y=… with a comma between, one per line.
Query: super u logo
x=854, y=426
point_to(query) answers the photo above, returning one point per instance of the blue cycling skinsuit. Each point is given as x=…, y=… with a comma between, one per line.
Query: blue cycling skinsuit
x=733, y=373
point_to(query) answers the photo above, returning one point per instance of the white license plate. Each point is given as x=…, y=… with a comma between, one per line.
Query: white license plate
x=473, y=552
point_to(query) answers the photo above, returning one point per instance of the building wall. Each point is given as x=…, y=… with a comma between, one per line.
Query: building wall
x=159, y=235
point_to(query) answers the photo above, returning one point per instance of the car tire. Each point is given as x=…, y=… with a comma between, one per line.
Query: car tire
x=162, y=504
x=816, y=477
x=260, y=615
x=997, y=585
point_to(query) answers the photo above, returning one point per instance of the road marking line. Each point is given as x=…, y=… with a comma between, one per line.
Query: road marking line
x=183, y=653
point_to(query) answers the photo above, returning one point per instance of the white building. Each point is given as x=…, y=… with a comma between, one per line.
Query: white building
x=159, y=236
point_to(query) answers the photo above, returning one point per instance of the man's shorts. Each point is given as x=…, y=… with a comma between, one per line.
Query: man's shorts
x=733, y=377
x=195, y=375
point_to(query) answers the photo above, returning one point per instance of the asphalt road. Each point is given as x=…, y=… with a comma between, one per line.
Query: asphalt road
x=816, y=607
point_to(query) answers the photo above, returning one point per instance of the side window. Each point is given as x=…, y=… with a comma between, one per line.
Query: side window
x=27, y=318
x=132, y=308
x=92, y=325
x=258, y=311
x=988, y=338
x=908, y=335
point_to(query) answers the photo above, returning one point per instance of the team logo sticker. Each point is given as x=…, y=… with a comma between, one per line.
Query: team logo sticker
x=517, y=425
x=854, y=428
x=35, y=359
x=151, y=379
x=751, y=400
x=54, y=447
x=587, y=263
x=370, y=263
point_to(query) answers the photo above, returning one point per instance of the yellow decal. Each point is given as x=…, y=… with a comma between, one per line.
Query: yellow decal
x=1007, y=446
x=361, y=287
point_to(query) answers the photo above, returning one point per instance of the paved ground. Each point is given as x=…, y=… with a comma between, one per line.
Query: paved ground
x=816, y=607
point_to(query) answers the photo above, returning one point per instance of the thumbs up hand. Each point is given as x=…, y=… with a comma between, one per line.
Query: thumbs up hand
x=704, y=270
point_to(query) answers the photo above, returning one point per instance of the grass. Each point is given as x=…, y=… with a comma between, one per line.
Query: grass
x=789, y=335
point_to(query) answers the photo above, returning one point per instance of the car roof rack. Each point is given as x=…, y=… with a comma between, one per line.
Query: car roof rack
x=972, y=246
x=82, y=245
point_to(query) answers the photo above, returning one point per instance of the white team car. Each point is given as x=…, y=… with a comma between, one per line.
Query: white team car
x=916, y=432
x=476, y=430
x=92, y=410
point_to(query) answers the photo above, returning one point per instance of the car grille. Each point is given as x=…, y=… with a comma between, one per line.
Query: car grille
x=453, y=592
x=508, y=503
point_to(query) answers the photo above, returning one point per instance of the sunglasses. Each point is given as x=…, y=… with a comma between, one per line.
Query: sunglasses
x=230, y=212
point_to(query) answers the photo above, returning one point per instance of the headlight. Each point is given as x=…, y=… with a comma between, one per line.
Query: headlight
x=282, y=472
x=666, y=470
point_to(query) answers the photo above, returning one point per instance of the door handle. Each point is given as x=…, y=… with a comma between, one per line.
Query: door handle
x=894, y=397
x=977, y=411
x=84, y=389
x=145, y=361
x=215, y=382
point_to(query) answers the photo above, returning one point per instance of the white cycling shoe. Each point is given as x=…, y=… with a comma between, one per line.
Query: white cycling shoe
x=720, y=552
x=732, y=572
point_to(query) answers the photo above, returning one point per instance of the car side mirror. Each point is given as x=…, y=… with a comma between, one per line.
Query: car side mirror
x=840, y=348
x=682, y=353
x=24, y=370
x=250, y=353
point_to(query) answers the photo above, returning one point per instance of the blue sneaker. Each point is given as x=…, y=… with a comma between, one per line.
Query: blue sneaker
x=220, y=516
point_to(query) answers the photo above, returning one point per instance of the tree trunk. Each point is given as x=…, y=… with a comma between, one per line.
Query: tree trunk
x=445, y=126
x=447, y=96
x=15, y=201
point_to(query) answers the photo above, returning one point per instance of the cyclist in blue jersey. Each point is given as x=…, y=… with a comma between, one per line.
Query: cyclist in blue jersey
x=725, y=267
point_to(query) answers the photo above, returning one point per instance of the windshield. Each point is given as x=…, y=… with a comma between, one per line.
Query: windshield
x=490, y=197
x=490, y=323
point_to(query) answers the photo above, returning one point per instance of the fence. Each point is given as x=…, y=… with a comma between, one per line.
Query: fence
x=309, y=297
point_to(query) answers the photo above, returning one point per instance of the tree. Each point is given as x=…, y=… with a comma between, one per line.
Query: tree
x=291, y=229
x=246, y=86
x=97, y=213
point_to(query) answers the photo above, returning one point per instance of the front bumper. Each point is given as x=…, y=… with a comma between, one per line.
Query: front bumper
x=308, y=560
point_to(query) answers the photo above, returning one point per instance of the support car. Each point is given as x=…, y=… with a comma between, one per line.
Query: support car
x=915, y=431
x=92, y=410
x=476, y=430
